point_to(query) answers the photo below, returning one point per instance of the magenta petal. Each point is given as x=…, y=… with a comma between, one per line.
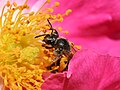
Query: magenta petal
x=37, y=5
x=54, y=82
x=93, y=24
x=46, y=75
x=100, y=44
x=91, y=17
x=92, y=71
x=31, y=2
x=87, y=70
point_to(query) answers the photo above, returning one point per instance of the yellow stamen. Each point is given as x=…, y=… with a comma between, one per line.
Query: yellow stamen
x=23, y=59
x=78, y=47
x=60, y=28
x=15, y=4
x=68, y=11
x=57, y=4
x=48, y=1
x=66, y=32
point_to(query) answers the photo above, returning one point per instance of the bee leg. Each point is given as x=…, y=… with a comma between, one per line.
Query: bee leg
x=46, y=46
x=50, y=67
x=69, y=56
x=55, y=60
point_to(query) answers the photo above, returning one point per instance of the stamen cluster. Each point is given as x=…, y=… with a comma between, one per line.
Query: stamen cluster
x=22, y=57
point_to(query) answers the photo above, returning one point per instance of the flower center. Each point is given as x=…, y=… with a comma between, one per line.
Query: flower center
x=23, y=59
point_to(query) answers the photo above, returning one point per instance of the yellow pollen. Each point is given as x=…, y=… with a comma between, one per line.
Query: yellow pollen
x=68, y=11
x=45, y=58
x=23, y=59
x=62, y=63
x=41, y=63
x=15, y=4
x=60, y=28
x=57, y=4
x=48, y=1
x=26, y=6
x=8, y=3
x=66, y=32
x=31, y=13
x=50, y=10
x=78, y=47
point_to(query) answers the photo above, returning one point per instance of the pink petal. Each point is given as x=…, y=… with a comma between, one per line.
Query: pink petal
x=93, y=24
x=54, y=82
x=19, y=2
x=91, y=17
x=37, y=5
x=46, y=75
x=94, y=71
x=88, y=70
x=31, y=2
x=101, y=44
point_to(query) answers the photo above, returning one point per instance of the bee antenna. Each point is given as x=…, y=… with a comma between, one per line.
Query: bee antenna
x=50, y=24
x=40, y=35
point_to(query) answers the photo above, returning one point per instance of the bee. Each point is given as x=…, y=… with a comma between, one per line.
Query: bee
x=61, y=46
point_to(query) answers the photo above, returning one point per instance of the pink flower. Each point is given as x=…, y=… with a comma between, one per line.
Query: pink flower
x=93, y=24
x=87, y=70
